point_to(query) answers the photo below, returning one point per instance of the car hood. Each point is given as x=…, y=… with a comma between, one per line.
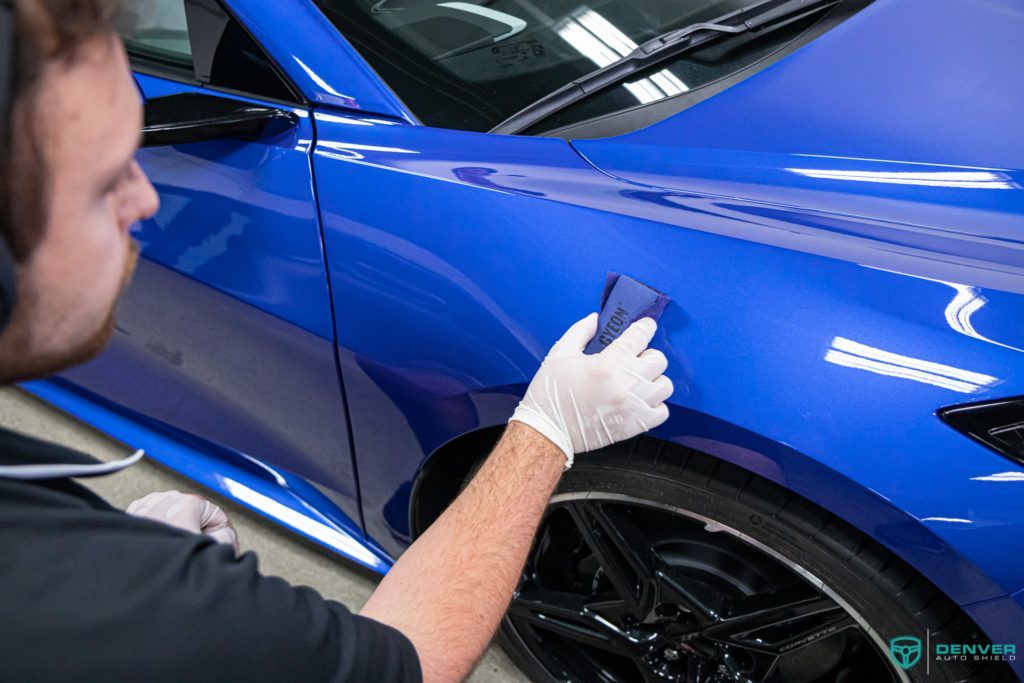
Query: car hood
x=909, y=112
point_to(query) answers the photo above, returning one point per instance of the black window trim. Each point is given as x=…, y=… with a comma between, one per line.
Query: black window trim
x=154, y=67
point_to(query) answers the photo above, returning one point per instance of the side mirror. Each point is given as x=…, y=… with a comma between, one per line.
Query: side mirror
x=195, y=117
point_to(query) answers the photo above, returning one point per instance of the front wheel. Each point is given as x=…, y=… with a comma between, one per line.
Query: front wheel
x=657, y=563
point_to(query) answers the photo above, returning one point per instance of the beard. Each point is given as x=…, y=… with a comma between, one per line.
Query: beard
x=18, y=362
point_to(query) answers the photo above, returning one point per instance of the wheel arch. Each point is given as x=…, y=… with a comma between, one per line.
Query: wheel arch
x=443, y=473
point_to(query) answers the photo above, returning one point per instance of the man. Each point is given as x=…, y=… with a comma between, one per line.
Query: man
x=90, y=593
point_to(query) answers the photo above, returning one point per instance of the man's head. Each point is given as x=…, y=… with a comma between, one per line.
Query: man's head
x=73, y=188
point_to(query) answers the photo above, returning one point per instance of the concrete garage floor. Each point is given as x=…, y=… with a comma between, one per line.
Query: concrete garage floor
x=280, y=552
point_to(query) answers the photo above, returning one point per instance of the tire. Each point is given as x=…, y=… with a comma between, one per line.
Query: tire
x=643, y=480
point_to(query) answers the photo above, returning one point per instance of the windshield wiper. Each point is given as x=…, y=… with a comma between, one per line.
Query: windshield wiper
x=762, y=16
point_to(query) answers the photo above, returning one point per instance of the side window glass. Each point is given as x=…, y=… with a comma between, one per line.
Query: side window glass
x=198, y=41
x=240, y=64
x=157, y=31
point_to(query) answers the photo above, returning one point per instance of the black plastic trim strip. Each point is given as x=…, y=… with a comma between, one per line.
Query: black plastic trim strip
x=986, y=420
x=195, y=117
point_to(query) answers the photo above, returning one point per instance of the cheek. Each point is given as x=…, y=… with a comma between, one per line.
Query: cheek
x=99, y=248
x=83, y=251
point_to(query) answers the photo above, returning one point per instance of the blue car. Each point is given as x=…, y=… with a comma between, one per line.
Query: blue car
x=377, y=216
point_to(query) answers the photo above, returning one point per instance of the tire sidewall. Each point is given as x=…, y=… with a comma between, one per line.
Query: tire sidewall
x=885, y=616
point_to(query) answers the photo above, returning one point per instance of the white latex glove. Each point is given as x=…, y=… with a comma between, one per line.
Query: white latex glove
x=186, y=511
x=584, y=402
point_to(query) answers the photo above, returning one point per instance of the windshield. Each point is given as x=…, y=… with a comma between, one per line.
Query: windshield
x=471, y=65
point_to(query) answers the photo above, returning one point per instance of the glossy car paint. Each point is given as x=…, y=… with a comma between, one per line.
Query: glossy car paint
x=226, y=332
x=842, y=247
x=760, y=334
x=278, y=494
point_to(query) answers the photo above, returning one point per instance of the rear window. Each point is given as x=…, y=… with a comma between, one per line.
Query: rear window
x=471, y=65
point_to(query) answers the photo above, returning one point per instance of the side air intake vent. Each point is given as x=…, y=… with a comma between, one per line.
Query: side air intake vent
x=997, y=424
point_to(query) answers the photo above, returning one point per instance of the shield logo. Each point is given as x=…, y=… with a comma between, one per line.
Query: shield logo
x=905, y=650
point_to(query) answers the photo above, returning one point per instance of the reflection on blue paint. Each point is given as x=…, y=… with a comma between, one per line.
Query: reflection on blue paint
x=488, y=177
x=968, y=301
x=1001, y=476
x=349, y=101
x=985, y=180
x=304, y=523
x=851, y=354
x=192, y=257
x=273, y=492
x=351, y=151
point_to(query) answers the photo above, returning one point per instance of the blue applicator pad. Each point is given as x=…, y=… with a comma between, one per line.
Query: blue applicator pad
x=623, y=301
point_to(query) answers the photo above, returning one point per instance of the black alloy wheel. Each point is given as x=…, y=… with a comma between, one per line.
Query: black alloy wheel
x=685, y=568
x=620, y=591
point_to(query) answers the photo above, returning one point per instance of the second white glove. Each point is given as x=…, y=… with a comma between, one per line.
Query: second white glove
x=584, y=402
x=186, y=511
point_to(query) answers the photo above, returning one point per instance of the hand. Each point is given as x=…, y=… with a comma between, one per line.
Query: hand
x=584, y=402
x=186, y=511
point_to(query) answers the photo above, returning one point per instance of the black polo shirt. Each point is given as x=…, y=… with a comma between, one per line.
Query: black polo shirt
x=89, y=593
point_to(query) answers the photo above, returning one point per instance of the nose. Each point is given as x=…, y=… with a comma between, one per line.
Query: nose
x=148, y=201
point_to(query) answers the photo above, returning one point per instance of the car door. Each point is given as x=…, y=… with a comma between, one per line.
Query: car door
x=225, y=337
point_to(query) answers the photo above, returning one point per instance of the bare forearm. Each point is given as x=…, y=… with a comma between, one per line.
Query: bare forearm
x=449, y=590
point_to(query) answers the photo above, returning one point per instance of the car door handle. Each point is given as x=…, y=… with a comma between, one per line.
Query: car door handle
x=195, y=117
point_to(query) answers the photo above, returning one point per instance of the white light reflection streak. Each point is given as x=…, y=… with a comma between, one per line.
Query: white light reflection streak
x=959, y=310
x=350, y=151
x=605, y=31
x=319, y=81
x=1001, y=476
x=515, y=24
x=667, y=81
x=600, y=41
x=369, y=148
x=965, y=303
x=586, y=43
x=851, y=354
x=986, y=180
x=328, y=535
x=955, y=520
